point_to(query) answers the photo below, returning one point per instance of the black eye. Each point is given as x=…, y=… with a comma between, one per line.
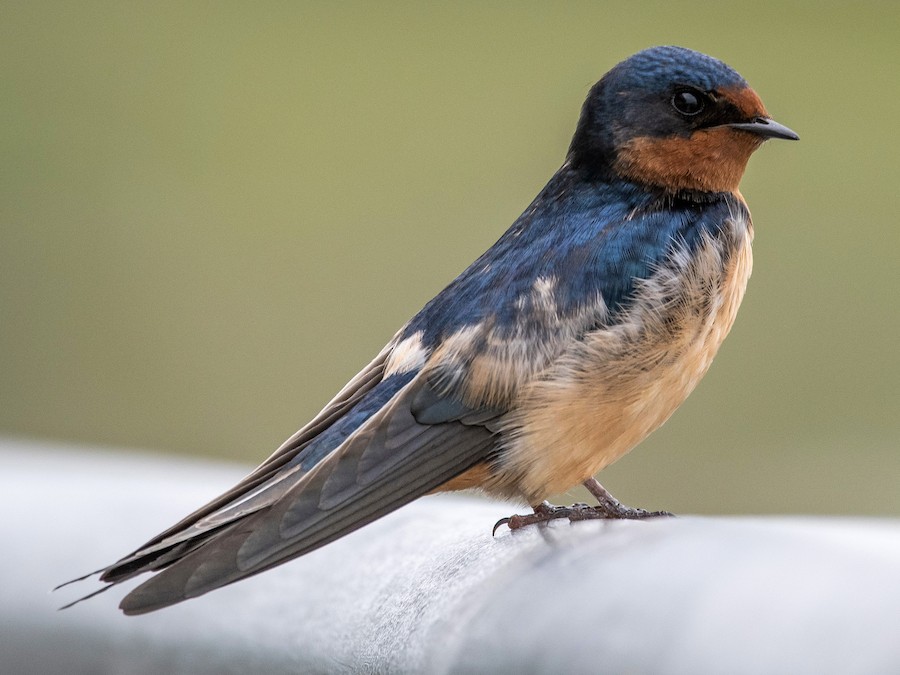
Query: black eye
x=688, y=102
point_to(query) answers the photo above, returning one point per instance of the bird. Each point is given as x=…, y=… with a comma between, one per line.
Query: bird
x=563, y=346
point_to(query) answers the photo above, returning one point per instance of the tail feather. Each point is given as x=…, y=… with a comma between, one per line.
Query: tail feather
x=364, y=456
x=224, y=560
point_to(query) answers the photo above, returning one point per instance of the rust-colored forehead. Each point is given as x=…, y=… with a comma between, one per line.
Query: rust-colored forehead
x=746, y=100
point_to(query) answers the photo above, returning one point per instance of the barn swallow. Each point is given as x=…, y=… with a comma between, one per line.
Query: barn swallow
x=557, y=351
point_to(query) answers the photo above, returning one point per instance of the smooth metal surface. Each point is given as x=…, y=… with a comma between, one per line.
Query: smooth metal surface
x=427, y=590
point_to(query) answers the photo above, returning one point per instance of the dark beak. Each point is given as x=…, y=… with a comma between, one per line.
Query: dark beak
x=767, y=128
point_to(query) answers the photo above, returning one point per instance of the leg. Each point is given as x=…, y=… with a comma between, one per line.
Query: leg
x=608, y=507
x=611, y=506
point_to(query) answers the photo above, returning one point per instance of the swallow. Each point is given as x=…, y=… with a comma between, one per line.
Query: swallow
x=577, y=334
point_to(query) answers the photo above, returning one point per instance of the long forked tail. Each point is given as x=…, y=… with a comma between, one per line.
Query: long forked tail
x=382, y=464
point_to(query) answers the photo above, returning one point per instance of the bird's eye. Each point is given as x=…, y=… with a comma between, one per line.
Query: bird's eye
x=688, y=102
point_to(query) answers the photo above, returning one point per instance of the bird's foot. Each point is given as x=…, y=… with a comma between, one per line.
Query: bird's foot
x=614, y=508
x=608, y=508
x=545, y=512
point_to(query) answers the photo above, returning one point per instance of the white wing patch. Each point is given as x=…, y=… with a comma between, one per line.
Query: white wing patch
x=407, y=355
x=542, y=295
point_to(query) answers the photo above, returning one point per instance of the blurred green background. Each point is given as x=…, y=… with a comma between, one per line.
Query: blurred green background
x=212, y=214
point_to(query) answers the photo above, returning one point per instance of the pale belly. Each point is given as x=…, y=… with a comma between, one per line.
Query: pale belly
x=609, y=391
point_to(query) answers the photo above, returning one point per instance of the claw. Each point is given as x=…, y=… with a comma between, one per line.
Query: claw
x=502, y=521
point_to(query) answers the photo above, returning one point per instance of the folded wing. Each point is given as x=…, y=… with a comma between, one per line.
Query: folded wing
x=375, y=458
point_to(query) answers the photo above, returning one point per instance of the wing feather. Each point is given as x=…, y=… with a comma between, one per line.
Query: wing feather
x=266, y=484
x=387, y=462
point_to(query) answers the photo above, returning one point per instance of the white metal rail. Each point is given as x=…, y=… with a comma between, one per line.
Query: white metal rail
x=428, y=590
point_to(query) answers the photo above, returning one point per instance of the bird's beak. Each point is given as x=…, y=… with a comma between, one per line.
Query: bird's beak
x=767, y=128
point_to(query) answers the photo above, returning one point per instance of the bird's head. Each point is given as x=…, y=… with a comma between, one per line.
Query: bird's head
x=672, y=118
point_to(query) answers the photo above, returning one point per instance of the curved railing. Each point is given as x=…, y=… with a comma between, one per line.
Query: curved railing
x=428, y=590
